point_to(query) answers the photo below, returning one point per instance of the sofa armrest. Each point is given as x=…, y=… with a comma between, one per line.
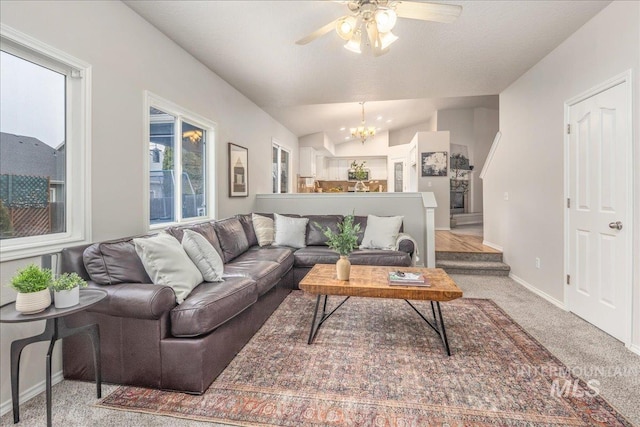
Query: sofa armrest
x=406, y=246
x=135, y=300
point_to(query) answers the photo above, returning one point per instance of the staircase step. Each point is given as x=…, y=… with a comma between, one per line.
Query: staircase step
x=482, y=268
x=469, y=256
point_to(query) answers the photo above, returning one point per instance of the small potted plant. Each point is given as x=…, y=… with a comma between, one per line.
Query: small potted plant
x=343, y=242
x=32, y=284
x=360, y=173
x=66, y=290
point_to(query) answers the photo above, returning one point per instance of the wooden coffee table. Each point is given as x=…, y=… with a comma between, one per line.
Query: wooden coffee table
x=372, y=281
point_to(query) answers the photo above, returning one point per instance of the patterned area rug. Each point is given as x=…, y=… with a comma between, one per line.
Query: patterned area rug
x=376, y=363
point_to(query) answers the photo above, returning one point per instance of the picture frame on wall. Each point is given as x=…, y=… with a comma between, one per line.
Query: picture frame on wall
x=238, y=171
x=434, y=163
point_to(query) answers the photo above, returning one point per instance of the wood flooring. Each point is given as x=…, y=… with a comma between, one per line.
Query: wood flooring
x=446, y=241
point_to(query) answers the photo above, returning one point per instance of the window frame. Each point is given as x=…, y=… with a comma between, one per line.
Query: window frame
x=77, y=141
x=182, y=115
x=280, y=147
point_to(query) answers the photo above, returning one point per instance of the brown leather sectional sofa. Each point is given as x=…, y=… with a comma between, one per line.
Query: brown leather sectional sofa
x=149, y=340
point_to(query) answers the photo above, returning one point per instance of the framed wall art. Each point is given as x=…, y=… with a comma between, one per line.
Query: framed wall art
x=238, y=171
x=434, y=163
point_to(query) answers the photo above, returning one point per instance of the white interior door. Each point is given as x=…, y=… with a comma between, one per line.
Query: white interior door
x=599, y=220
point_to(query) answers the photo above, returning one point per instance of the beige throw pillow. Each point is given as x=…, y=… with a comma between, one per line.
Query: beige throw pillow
x=381, y=232
x=263, y=226
x=203, y=255
x=168, y=264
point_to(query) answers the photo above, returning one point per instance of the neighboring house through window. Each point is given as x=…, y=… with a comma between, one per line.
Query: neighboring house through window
x=44, y=147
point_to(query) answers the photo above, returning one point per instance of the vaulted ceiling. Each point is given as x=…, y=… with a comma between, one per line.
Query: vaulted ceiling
x=317, y=87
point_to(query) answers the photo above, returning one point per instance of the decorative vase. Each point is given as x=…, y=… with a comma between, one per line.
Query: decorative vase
x=360, y=187
x=33, y=302
x=343, y=268
x=68, y=298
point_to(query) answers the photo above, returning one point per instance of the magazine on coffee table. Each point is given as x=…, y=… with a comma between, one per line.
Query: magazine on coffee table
x=407, y=278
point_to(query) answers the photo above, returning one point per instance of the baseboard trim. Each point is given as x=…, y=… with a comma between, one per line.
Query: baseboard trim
x=31, y=392
x=492, y=245
x=538, y=292
x=635, y=348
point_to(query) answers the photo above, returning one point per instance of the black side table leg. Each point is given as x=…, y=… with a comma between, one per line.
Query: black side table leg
x=48, y=378
x=94, y=334
x=16, y=350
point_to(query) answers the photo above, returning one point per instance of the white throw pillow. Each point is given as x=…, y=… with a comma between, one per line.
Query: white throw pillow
x=168, y=264
x=290, y=231
x=203, y=255
x=263, y=226
x=381, y=232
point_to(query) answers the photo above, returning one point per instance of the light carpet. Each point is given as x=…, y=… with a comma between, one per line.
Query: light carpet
x=376, y=363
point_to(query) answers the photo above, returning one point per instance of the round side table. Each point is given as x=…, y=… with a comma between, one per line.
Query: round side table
x=55, y=329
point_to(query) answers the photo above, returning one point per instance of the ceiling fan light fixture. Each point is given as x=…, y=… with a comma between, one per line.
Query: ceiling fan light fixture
x=385, y=19
x=354, y=44
x=346, y=27
x=386, y=39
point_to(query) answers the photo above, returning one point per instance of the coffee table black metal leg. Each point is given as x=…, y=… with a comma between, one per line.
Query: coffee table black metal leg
x=438, y=323
x=315, y=315
x=443, y=330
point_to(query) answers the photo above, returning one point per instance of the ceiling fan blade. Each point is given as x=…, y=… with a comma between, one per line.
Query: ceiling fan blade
x=445, y=13
x=319, y=32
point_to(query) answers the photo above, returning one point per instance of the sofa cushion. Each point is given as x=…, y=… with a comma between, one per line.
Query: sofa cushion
x=203, y=255
x=318, y=224
x=266, y=274
x=110, y=263
x=211, y=304
x=204, y=228
x=289, y=231
x=247, y=224
x=232, y=239
x=381, y=232
x=312, y=255
x=380, y=257
x=168, y=264
x=277, y=254
x=135, y=300
x=263, y=227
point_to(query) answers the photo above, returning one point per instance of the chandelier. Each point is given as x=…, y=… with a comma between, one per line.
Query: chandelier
x=363, y=132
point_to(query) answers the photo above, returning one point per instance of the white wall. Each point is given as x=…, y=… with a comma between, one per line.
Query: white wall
x=474, y=128
x=128, y=56
x=438, y=185
x=529, y=161
x=405, y=135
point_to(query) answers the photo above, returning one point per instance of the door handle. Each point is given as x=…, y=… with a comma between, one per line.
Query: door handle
x=616, y=225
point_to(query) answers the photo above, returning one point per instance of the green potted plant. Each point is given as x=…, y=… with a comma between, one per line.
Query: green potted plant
x=343, y=242
x=66, y=290
x=32, y=284
x=360, y=173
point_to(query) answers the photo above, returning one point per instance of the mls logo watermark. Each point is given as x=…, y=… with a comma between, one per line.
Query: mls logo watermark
x=561, y=387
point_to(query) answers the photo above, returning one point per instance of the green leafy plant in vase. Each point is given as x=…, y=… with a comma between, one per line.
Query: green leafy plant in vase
x=66, y=289
x=360, y=174
x=343, y=242
x=32, y=284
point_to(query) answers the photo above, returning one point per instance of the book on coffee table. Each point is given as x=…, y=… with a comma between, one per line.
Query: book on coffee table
x=407, y=278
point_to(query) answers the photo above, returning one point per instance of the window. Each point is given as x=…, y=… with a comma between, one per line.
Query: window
x=44, y=145
x=180, y=178
x=281, y=162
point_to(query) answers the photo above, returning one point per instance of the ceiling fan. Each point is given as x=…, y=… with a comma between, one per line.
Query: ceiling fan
x=376, y=18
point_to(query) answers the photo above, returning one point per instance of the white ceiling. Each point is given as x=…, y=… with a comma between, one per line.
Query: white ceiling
x=317, y=87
